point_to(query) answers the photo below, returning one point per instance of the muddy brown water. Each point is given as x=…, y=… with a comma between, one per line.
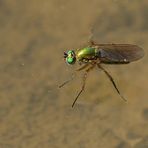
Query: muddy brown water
x=34, y=113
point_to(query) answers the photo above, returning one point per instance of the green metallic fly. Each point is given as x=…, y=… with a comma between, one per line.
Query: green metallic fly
x=94, y=55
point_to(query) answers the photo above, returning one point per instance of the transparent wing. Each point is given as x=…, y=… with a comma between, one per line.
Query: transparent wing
x=119, y=53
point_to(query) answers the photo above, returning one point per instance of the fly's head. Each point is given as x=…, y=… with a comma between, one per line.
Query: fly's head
x=70, y=57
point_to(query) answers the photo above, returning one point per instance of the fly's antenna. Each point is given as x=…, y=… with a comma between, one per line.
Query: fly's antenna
x=65, y=55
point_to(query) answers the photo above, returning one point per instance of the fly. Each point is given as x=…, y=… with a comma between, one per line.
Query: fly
x=95, y=55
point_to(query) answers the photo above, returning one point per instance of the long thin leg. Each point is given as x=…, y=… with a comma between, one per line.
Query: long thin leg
x=73, y=75
x=83, y=67
x=83, y=85
x=112, y=80
x=91, y=42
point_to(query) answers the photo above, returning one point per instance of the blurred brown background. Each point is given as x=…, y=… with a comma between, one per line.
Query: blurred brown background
x=34, y=113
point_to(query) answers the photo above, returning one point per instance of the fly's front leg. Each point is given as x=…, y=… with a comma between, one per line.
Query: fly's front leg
x=83, y=85
x=73, y=75
x=112, y=80
x=83, y=67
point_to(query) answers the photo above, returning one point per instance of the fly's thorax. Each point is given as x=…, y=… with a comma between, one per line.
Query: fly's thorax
x=86, y=54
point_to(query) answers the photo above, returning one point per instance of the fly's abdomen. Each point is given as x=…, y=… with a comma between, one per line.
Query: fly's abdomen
x=119, y=53
x=87, y=53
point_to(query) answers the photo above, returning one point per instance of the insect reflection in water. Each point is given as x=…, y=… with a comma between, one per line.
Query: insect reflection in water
x=95, y=55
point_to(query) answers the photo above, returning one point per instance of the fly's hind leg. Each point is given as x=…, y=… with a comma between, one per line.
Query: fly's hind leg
x=73, y=75
x=112, y=80
x=83, y=85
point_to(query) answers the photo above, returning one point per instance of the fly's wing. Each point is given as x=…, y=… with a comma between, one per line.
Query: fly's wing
x=119, y=53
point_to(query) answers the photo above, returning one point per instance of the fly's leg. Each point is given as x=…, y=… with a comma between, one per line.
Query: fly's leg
x=82, y=89
x=73, y=75
x=91, y=43
x=83, y=67
x=112, y=80
x=83, y=85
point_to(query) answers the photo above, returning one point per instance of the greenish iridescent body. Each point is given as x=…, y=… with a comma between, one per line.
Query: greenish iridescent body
x=98, y=54
x=87, y=54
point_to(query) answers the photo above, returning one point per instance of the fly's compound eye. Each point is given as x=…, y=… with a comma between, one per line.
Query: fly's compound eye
x=70, y=57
